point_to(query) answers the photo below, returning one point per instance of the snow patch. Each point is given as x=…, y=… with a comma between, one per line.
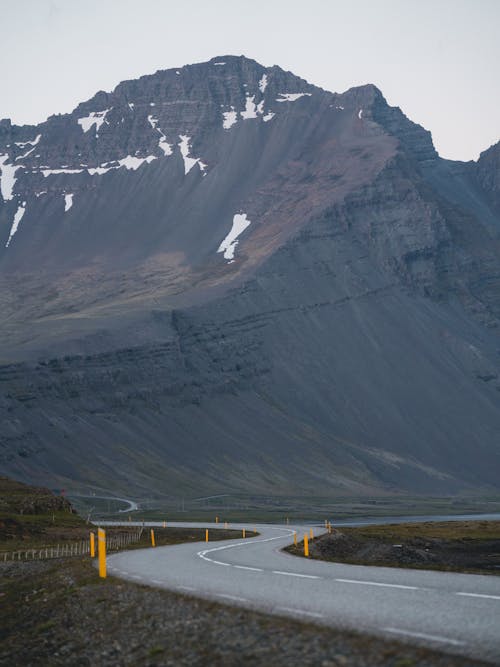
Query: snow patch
x=15, y=224
x=292, y=97
x=68, y=202
x=131, y=162
x=7, y=177
x=250, y=108
x=269, y=116
x=96, y=118
x=228, y=245
x=131, y=105
x=20, y=157
x=189, y=162
x=162, y=142
x=99, y=170
x=230, y=118
x=39, y=194
x=215, y=64
x=33, y=142
x=263, y=83
x=164, y=145
x=360, y=113
x=48, y=172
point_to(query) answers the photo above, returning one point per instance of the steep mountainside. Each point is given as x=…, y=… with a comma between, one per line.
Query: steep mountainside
x=224, y=278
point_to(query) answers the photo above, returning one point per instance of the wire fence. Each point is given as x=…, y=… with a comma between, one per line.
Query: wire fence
x=114, y=542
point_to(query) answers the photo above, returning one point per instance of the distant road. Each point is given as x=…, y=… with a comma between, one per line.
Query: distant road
x=131, y=506
x=457, y=613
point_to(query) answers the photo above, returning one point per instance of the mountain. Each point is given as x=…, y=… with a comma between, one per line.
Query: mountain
x=221, y=278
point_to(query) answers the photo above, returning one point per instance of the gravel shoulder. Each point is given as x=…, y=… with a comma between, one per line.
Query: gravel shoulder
x=60, y=613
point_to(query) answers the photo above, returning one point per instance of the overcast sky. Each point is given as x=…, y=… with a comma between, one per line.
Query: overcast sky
x=436, y=59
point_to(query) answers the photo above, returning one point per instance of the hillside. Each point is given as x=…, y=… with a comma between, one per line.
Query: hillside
x=223, y=278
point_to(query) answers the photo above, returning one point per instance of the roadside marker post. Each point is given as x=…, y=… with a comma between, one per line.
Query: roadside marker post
x=243, y=533
x=216, y=519
x=101, y=548
x=306, y=546
x=311, y=533
x=225, y=525
x=92, y=545
x=153, y=542
x=295, y=538
x=255, y=531
x=206, y=535
x=164, y=524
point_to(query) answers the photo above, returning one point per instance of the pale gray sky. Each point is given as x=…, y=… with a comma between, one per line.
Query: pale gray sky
x=436, y=59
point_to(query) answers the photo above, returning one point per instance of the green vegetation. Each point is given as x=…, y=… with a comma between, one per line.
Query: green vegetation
x=458, y=546
x=445, y=530
x=35, y=518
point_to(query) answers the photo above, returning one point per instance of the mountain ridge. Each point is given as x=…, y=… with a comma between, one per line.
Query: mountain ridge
x=344, y=341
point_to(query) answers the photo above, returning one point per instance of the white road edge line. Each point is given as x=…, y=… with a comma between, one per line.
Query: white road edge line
x=302, y=612
x=246, y=567
x=480, y=595
x=203, y=554
x=295, y=574
x=376, y=583
x=187, y=588
x=231, y=597
x=422, y=635
x=157, y=581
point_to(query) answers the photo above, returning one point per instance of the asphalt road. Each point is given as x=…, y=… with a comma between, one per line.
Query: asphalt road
x=457, y=613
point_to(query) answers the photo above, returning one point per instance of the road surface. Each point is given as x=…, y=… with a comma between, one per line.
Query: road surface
x=457, y=613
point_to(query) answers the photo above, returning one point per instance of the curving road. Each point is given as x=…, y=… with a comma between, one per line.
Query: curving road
x=458, y=613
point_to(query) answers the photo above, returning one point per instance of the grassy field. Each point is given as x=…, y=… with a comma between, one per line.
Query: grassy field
x=460, y=546
x=276, y=509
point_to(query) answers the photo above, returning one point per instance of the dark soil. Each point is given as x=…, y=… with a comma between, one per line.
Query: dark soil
x=465, y=546
x=60, y=613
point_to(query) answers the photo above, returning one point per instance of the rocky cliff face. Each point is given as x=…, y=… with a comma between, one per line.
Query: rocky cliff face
x=223, y=278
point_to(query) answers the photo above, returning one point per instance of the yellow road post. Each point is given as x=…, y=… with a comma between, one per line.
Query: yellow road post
x=153, y=543
x=311, y=533
x=216, y=519
x=295, y=538
x=206, y=535
x=243, y=532
x=92, y=545
x=306, y=545
x=101, y=547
